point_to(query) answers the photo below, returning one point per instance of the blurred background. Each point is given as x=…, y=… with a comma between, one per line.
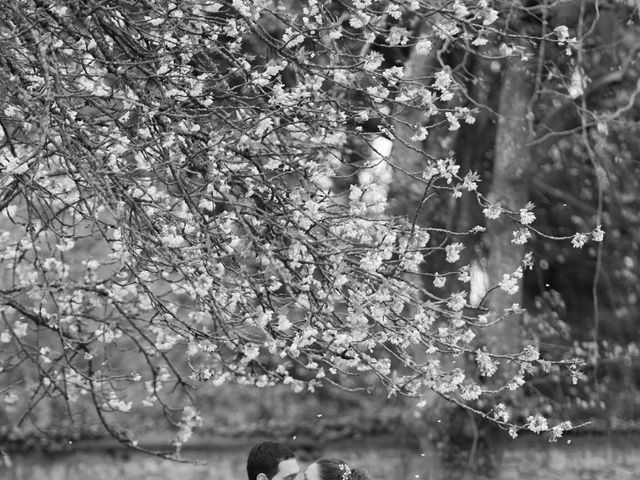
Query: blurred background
x=581, y=302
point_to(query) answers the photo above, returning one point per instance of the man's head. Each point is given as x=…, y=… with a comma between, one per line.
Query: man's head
x=272, y=461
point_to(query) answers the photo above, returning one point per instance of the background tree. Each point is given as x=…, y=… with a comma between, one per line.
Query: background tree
x=195, y=193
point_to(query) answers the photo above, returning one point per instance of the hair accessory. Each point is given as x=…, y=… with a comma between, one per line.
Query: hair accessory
x=346, y=471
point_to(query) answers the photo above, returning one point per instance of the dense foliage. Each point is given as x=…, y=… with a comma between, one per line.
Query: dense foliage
x=202, y=191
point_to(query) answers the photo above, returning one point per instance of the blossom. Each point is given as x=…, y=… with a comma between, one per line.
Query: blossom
x=165, y=341
x=420, y=238
x=460, y=9
x=562, y=32
x=360, y=20
x=470, y=392
x=517, y=382
x=454, y=124
x=263, y=126
x=447, y=168
x=598, y=234
x=373, y=61
x=457, y=301
x=443, y=80
x=411, y=261
x=283, y=323
x=558, y=430
x=526, y=216
x=420, y=135
x=453, y=252
x=397, y=36
x=371, y=262
x=251, y=352
x=239, y=235
x=530, y=354
x=537, y=423
x=430, y=171
x=120, y=405
x=171, y=238
x=394, y=11
x=12, y=165
x=493, y=211
x=470, y=181
x=423, y=47
x=509, y=284
x=579, y=239
x=488, y=367
x=378, y=93
x=490, y=16
x=465, y=274
x=355, y=193
x=468, y=336
x=505, y=49
x=44, y=354
x=501, y=413
x=106, y=334
x=479, y=41
x=20, y=329
x=191, y=420
x=521, y=236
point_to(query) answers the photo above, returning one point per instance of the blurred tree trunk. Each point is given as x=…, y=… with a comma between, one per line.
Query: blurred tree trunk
x=405, y=196
x=512, y=167
x=408, y=155
x=473, y=146
x=475, y=447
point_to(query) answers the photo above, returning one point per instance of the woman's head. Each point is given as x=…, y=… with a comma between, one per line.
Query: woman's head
x=333, y=469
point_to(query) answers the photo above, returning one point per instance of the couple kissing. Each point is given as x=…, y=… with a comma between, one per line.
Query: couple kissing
x=274, y=461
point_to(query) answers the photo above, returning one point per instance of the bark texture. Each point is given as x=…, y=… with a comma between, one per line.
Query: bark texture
x=512, y=168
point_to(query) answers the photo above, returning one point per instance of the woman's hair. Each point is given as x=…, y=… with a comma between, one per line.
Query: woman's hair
x=335, y=469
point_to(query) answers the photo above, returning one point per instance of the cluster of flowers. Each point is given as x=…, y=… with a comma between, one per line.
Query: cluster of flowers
x=198, y=182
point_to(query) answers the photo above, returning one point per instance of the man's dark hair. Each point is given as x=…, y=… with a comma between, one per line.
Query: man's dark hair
x=265, y=458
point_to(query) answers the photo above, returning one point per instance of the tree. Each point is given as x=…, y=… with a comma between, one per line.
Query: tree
x=172, y=200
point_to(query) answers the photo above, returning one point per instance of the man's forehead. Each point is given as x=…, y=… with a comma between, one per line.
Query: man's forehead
x=288, y=467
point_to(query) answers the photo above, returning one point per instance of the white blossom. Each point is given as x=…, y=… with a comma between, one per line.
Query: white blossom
x=423, y=47
x=537, y=423
x=489, y=16
x=598, y=234
x=488, y=367
x=457, y=301
x=501, y=413
x=526, y=216
x=558, y=430
x=493, y=211
x=453, y=252
x=579, y=239
x=521, y=236
x=509, y=284
x=470, y=392
x=20, y=329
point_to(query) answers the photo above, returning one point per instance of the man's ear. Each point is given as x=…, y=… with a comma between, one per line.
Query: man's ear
x=262, y=476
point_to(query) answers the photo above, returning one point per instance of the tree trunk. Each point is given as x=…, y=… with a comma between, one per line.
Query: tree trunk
x=475, y=446
x=408, y=155
x=510, y=179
